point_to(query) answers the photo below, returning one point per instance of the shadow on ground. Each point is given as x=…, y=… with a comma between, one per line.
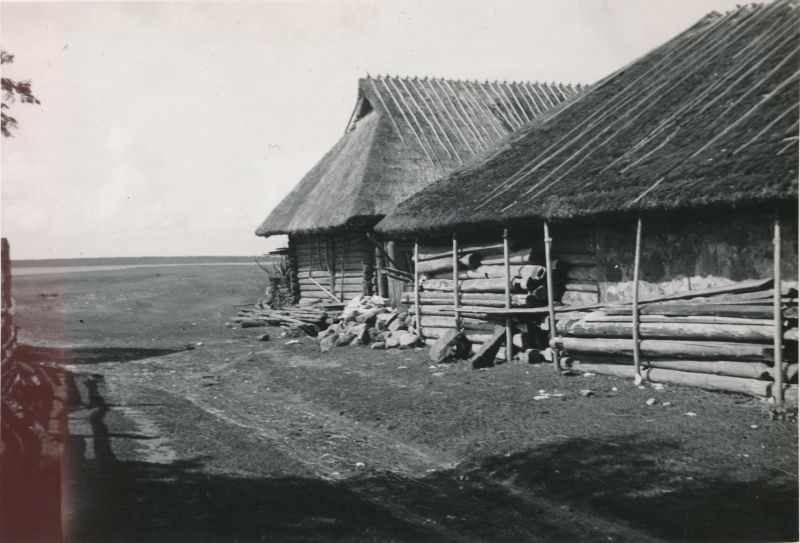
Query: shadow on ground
x=551, y=493
x=31, y=470
x=87, y=355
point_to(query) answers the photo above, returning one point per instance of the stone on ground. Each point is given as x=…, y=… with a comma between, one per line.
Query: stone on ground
x=407, y=339
x=344, y=338
x=327, y=342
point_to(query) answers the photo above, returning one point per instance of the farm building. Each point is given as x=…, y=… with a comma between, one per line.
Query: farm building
x=403, y=134
x=650, y=218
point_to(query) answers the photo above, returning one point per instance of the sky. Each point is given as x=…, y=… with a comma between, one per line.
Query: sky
x=172, y=129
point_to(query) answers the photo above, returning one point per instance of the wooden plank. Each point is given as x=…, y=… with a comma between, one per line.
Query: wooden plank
x=485, y=355
x=441, y=251
x=687, y=309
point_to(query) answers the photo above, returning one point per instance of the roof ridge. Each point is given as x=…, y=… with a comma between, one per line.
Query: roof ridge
x=495, y=81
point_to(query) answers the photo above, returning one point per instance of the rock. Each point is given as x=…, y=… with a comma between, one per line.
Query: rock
x=329, y=331
x=378, y=345
x=328, y=342
x=344, y=338
x=355, y=342
x=666, y=404
x=373, y=334
x=359, y=331
x=392, y=341
x=402, y=315
x=263, y=337
x=382, y=336
x=586, y=393
x=690, y=414
x=199, y=343
x=453, y=344
x=382, y=321
x=368, y=316
x=293, y=342
x=396, y=325
x=651, y=401
x=407, y=339
x=437, y=374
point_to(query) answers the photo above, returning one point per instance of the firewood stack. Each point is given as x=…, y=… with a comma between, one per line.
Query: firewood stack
x=305, y=319
x=481, y=284
x=719, y=339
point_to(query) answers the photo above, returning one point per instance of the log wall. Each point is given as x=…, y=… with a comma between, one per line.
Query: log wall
x=575, y=252
x=716, y=341
x=337, y=263
x=691, y=253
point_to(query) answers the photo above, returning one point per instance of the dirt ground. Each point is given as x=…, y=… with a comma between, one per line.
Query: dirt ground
x=242, y=440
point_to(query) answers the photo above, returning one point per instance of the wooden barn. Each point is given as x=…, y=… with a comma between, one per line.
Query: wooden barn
x=404, y=133
x=653, y=218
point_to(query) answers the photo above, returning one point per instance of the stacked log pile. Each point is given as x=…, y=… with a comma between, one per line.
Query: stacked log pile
x=481, y=280
x=294, y=320
x=574, y=251
x=718, y=339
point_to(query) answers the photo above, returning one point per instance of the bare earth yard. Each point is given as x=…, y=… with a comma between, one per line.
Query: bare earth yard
x=241, y=440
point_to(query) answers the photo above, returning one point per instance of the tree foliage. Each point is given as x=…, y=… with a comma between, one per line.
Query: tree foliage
x=13, y=91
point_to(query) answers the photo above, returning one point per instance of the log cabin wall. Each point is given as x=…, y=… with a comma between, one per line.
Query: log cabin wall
x=685, y=253
x=575, y=253
x=336, y=263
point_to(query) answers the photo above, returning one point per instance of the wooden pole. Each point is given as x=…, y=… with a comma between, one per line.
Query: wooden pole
x=509, y=335
x=550, y=301
x=637, y=370
x=456, y=315
x=416, y=289
x=777, y=388
x=330, y=257
x=344, y=246
x=381, y=280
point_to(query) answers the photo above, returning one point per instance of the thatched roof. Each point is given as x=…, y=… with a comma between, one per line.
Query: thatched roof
x=404, y=134
x=709, y=119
